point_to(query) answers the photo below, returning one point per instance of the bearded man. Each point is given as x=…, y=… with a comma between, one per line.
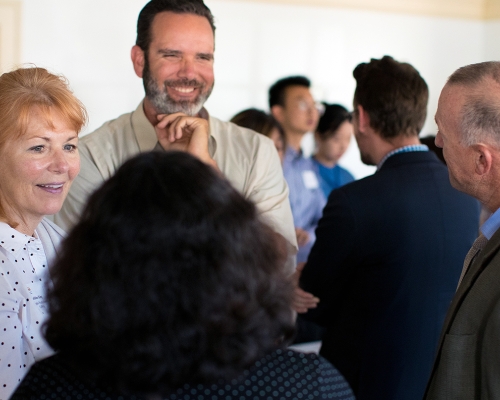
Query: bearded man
x=174, y=55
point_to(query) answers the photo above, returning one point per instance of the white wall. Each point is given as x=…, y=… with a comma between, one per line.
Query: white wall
x=89, y=41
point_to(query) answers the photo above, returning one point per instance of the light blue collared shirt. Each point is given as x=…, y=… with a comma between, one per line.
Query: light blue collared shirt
x=306, y=197
x=404, y=149
x=491, y=225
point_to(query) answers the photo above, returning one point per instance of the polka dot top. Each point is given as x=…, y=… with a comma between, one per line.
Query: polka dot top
x=283, y=374
x=23, y=272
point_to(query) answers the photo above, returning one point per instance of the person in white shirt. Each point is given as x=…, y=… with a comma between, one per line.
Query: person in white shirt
x=39, y=124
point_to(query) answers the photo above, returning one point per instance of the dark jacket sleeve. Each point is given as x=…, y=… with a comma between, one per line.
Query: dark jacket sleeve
x=327, y=272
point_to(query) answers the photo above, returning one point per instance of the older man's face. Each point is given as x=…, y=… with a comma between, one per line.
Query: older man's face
x=178, y=73
x=458, y=156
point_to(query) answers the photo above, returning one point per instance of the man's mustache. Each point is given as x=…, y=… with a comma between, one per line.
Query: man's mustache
x=183, y=82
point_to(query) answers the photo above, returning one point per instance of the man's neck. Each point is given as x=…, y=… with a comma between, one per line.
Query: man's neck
x=385, y=146
x=325, y=161
x=150, y=112
x=293, y=140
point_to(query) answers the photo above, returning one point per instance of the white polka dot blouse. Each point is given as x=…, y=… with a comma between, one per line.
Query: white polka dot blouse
x=23, y=308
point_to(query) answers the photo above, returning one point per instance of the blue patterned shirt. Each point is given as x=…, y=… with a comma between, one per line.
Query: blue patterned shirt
x=404, y=149
x=306, y=197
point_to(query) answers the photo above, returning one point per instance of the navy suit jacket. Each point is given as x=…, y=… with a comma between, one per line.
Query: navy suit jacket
x=385, y=265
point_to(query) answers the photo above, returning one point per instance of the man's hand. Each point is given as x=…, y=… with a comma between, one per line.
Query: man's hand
x=183, y=133
x=302, y=300
x=302, y=236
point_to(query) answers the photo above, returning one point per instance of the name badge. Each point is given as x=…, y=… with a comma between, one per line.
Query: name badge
x=37, y=296
x=310, y=179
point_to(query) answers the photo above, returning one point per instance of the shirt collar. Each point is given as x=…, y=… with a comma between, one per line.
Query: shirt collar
x=404, y=149
x=13, y=241
x=291, y=153
x=146, y=135
x=491, y=225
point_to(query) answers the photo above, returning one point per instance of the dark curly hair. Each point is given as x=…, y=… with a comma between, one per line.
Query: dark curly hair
x=393, y=94
x=169, y=278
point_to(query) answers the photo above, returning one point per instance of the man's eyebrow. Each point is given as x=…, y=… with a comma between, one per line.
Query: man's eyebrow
x=169, y=52
x=208, y=56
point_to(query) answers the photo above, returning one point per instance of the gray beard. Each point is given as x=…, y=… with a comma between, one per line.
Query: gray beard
x=164, y=104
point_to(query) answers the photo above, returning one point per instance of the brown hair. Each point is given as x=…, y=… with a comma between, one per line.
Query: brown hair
x=257, y=120
x=393, y=94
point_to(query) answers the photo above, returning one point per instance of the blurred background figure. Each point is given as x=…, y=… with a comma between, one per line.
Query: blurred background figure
x=332, y=137
x=171, y=287
x=263, y=123
x=39, y=124
x=293, y=106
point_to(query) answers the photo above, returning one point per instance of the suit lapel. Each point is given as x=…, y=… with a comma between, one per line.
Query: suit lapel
x=475, y=269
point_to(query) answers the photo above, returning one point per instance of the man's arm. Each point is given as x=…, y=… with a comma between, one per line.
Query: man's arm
x=266, y=186
x=329, y=272
x=269, y=192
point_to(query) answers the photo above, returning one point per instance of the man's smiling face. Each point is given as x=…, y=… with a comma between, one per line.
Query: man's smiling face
x=178, y=69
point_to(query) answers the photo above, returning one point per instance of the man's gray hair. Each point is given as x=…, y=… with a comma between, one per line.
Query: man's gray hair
x=481, y=112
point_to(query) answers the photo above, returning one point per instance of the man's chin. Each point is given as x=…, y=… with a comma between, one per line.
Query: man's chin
x=171, y=107
x=367, y=160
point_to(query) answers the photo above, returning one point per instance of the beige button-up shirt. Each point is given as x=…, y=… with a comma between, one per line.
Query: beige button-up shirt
x=248, y=160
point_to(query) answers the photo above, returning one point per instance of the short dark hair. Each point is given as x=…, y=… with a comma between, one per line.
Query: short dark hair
x=278, y=89
x=257, y=120
x=169, y=277
x=480, y=115
x=333, y=116
x=148, y=13
x=393, y=94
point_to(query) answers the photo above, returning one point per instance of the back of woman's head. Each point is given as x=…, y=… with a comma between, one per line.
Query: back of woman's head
x=257, y=120
x=25, y=88
x=169, y=278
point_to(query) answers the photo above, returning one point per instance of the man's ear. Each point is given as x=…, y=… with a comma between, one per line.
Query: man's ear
x=137, y=56
x=363, y=119
x=483, y=158
x=277, y=113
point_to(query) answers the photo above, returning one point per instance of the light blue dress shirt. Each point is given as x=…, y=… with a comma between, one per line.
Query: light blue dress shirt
x=306, y=197
x=491, y=225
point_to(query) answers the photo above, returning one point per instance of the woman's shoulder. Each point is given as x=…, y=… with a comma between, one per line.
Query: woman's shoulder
x=281, y=374
x=304, y=369
x=54, y=376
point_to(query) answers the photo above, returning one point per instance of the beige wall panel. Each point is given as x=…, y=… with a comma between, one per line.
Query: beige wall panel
x=471, y=9
x=10, y=28
x=492, y=9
